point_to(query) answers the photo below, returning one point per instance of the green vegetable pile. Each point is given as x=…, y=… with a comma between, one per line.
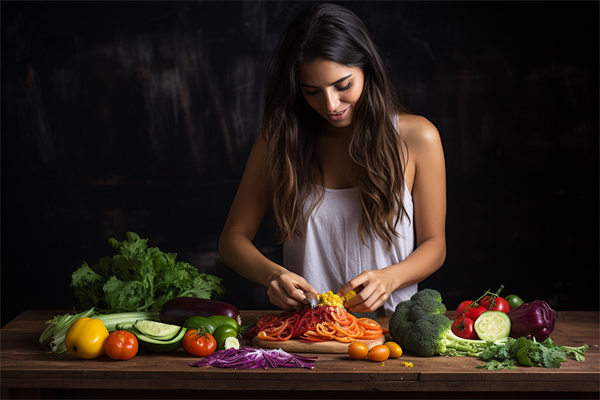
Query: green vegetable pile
x=140, y=278
x=529, y=353
x=419, y=326
x=54, y=335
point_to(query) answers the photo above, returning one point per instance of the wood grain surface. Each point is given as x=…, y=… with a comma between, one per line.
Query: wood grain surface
x=30, y=370
x=296, y=346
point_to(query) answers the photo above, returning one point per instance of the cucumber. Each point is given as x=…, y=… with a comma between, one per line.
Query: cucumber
x=153, y=344
x=492, y=326
x=157, y=330
x=162, y=346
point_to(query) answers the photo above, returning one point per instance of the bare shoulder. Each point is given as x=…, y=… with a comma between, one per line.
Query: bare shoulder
x=418, y=131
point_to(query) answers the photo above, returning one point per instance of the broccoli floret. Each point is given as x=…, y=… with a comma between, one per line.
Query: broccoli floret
x=399, y=323
x=431, y=335
x=424, y=302
x=424, y=307
x=429, y=294
x=420, y=326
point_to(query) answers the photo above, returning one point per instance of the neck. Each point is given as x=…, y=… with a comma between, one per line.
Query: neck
x=332, y=131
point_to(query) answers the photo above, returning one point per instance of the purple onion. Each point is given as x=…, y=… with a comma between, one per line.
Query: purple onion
x=254, y=357
x=534, y=319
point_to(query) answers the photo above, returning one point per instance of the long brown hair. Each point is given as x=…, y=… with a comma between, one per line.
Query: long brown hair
x=290, y=125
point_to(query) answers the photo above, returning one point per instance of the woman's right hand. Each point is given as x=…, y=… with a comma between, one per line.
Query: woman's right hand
x=286, y=290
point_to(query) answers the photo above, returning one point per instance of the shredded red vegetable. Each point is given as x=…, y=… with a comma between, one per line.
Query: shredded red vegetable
x=254, y=357
x=321, y=324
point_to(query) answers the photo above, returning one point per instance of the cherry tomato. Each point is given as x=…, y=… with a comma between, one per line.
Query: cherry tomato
x=462, y=307
x=199, y=344
x=514, y=301
x=358, y=350
x=121, y=345
x=500, y=304
x=395, y=349
x=379, y=353
x=474, y=313
x=468, y=331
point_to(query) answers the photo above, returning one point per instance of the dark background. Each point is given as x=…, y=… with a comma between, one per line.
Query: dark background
x=139, y=116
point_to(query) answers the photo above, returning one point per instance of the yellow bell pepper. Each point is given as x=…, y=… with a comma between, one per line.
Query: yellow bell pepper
x=85, y=338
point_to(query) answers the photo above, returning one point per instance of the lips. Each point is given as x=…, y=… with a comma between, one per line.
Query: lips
x=338, y=116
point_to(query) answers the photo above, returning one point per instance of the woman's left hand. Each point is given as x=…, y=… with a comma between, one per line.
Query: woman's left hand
x=372, y=287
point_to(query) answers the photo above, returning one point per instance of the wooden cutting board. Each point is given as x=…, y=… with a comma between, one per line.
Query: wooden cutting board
x=296, y=346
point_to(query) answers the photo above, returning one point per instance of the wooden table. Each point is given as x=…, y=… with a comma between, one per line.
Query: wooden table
x=30, y=370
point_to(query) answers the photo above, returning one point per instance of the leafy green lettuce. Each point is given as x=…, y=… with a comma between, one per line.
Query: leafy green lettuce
x=140, y=278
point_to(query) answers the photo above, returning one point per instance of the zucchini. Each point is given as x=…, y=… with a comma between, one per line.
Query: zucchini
x=154, y=344
x=492, y=326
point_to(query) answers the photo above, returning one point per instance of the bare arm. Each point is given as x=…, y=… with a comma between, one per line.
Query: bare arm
x=235, y=245
x=429, y=197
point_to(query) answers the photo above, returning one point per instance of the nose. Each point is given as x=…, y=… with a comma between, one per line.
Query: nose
x=332, y=101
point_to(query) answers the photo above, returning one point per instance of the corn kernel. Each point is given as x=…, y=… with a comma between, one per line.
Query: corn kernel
x=349, y=295
x=333, y=300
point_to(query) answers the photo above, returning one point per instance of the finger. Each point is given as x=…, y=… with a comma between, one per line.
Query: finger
x=371, y=304
x=293, y=291
x=305, y=287
x=285, y=302
x=355, y=284
x=279, y=295
x=365, y=291
x=360, y=299
x=368, y=296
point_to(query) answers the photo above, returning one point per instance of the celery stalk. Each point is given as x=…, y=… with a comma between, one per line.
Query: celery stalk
x=55, y=334
x=111, y=320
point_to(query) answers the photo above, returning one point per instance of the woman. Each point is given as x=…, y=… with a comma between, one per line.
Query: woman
x=356, y=182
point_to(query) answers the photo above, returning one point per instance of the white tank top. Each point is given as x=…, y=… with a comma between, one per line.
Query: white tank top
x=330, y=251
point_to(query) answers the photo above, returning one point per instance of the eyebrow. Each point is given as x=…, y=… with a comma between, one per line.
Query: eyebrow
x=336, y=82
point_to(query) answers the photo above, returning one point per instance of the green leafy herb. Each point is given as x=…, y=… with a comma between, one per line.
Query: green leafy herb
x=529, y=353
x=140, y=278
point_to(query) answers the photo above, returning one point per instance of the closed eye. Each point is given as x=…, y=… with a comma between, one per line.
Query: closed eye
x=339, y=89
x=344, y=88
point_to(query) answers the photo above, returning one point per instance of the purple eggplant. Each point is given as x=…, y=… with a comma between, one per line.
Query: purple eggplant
x=534, y=319
x=176, y=311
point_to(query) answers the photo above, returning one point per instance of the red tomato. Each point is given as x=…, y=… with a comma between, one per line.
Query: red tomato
x=500, y=304
x=468, y=332
x=474, y=313
x=462, y=307
x=199, y=344
x=121, y=345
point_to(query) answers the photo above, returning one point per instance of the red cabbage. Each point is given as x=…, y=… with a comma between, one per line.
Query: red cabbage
x=534, y=319
x=254, y=357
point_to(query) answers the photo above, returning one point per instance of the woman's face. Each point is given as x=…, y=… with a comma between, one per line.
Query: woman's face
x=331, y=89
